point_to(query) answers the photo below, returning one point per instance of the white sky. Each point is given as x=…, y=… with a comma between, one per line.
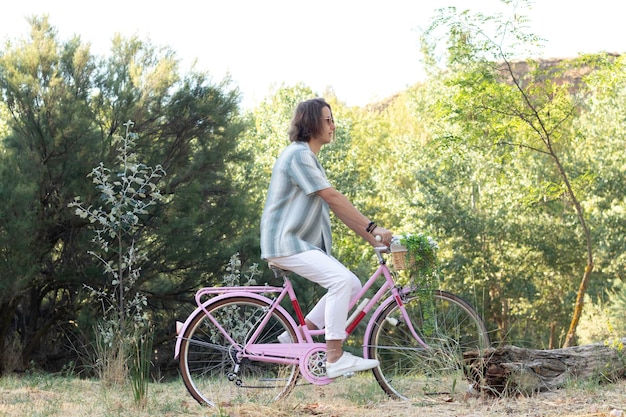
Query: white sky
x=363, y=49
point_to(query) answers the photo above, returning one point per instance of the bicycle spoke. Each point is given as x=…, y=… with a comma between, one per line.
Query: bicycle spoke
x=448, y=326
x=208, y=362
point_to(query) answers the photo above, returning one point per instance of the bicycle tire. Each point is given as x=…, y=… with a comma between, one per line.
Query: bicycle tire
x=207, y=360
x=407, y=369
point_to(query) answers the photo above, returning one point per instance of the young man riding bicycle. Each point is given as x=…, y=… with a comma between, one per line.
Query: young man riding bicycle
x=296, y=233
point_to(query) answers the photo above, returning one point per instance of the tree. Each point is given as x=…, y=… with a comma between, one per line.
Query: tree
x=37, y=154
x=65, y=107
x=522, y=106
x=127, y=193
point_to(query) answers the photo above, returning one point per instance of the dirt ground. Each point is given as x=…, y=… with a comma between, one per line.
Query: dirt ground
x=597, y=400
x=356, y=397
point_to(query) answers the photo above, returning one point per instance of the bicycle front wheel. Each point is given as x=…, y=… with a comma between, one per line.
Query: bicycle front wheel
x=448, y=325
x=208, y=361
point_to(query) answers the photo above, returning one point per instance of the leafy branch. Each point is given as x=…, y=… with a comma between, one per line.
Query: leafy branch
x=125, y=197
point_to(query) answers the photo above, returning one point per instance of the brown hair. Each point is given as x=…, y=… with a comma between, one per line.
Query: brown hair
x=307, y=120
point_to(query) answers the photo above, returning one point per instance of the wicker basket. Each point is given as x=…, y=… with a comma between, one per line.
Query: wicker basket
x=398, y=256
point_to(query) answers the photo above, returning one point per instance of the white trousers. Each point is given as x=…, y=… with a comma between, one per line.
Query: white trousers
x=331, y=312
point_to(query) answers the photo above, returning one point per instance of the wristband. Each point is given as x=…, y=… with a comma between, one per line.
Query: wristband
x=370, y=227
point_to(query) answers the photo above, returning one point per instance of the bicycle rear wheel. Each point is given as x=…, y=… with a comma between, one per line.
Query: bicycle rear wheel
x=207, y=359
x=446, y=323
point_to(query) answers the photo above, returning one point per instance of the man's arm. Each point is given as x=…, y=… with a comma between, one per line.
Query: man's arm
x=352, y=217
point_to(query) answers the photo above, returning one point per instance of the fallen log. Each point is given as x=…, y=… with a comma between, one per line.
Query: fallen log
x=511, y=370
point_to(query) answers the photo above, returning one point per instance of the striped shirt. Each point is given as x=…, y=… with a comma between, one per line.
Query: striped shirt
x=295, y=219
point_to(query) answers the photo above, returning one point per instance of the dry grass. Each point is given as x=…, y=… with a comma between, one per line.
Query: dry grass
x=47, y=396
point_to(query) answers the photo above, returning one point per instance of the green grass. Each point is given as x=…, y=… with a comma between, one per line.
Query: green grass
x=48, y=396
x=42, y=395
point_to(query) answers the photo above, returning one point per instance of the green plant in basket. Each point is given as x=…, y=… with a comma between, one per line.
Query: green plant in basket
x=421, y=254
x=420, y=262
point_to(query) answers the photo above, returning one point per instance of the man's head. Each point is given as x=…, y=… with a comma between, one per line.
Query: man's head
x=310, y=120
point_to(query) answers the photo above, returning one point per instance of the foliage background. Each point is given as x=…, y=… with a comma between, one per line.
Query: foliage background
x=427, y=159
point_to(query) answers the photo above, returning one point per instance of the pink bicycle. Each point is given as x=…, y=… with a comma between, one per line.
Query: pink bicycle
x=228, y=348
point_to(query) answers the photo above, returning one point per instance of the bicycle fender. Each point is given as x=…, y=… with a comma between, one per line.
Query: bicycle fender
x=182, y=327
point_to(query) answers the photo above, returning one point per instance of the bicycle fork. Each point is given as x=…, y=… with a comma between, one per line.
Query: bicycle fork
x=398, y=296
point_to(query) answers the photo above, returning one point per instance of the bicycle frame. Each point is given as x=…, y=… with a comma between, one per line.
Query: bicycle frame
x=296, y=353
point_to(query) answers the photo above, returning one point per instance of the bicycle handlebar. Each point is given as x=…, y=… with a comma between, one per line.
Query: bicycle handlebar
x=394, y=239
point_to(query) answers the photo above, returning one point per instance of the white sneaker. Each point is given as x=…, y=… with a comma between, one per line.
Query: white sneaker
x=284, y=337
x=348, y=364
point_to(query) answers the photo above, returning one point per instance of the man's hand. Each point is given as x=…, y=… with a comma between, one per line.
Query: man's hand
x=382, y=235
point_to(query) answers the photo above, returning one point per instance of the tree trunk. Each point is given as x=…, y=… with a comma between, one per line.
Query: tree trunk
x=7, y=315
x=578, y=307
x=512, y=371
